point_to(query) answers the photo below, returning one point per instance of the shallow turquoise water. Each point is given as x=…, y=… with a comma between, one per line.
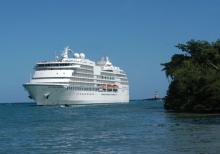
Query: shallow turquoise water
x=138, y=127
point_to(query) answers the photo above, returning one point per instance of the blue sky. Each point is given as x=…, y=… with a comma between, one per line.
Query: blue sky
x=137, y=35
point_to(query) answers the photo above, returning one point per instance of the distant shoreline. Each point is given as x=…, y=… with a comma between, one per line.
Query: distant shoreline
x=147, y=99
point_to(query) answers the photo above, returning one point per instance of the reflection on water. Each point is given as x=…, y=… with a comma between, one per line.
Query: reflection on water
x=138, y=127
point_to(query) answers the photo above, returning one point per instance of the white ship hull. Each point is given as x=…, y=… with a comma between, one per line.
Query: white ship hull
x=48, y=94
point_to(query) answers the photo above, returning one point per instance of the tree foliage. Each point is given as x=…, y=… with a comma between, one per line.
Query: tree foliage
x=194, y=78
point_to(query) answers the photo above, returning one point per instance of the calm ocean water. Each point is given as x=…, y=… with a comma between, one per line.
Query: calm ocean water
x=138, y=127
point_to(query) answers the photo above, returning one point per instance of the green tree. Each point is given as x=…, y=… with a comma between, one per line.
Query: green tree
x=194, y=78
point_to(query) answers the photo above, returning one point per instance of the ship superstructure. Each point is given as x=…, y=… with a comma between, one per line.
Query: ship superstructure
x=77, y=80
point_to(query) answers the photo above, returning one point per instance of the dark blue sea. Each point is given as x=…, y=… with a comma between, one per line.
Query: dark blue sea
x=137, y=127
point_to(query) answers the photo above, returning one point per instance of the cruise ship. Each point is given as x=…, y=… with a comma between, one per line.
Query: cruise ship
x=77, y=80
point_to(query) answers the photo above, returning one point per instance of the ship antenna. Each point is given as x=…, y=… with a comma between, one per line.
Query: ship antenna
x=65, y=53
x=55, y=54
x=30, y=75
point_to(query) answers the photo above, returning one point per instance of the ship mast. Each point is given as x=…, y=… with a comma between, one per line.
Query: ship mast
x=65, y=53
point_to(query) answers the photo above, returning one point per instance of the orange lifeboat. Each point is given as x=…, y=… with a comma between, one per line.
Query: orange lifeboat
x=109, y=86
x=115, y=86
x=112, y=86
